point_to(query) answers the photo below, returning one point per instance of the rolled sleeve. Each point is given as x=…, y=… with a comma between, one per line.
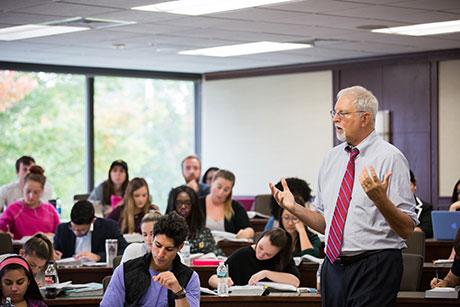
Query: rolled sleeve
x=115, y=293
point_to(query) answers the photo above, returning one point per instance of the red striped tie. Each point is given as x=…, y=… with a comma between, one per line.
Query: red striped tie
x=335, y=238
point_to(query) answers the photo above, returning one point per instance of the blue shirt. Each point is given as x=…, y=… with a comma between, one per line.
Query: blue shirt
x=365, y=227
x=156, y=295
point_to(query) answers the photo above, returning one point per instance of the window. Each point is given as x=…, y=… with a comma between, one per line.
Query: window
x=41, y=115
x=149, y=123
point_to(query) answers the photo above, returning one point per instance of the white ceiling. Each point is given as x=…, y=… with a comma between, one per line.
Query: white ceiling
x=156, y=38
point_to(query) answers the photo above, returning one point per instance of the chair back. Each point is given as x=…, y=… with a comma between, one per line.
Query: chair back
x=416, y=244
x=262, y=204
x=116, y=261
x=78, y=197
x=105, y=282
x=6, y=243
x=412, y=273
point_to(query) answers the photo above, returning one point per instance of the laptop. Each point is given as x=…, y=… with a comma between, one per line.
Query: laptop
x=445, y=224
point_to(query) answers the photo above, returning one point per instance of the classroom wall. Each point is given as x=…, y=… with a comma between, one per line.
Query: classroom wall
x=449, y=126
x=264, y=128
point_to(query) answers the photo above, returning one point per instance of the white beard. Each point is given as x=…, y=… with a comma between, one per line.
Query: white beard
x=340, y=136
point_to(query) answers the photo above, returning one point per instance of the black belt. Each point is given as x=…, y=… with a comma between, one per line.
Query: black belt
x=347, y=260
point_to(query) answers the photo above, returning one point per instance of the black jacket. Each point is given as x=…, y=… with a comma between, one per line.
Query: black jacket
x=137, y=278
x=64, y=238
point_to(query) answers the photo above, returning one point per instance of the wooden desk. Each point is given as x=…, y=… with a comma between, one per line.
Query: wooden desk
x=307, y=274
x=437, y=249
x=258, y=224
x=405, y=299
x=429, y=272
x=228, y=247
x=91, y=301
x=82, y=275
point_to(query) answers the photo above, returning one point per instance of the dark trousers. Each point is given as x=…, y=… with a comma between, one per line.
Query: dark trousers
x=370, y=281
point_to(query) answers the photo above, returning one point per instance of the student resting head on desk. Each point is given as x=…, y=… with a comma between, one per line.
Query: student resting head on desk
x=269, y=258
x=184, y=201
x=158, y=278
x=452, y=278
x=18, y=283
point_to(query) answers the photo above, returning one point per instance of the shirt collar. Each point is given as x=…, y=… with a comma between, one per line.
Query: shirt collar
x=365, y=143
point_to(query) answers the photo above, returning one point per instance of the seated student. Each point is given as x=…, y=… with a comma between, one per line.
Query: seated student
x=270, y=258
x=299, y=188
x=207, y=177
x=14, y=191
x=304, y=242
x=135, y=250
x=223, y=213
x=18, y=283
x=158, y=278
x=452, y=278
x=423, y=210
x=84, y=236
x=110, y=192
x=455, y=200
x=38, y=250
x=28, y=216
x=184, y=201
x=136, y=204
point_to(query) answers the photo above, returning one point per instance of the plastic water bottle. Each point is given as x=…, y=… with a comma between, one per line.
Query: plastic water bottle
x=186, y=253
x=318, y=278
x=51, y=275
x=8, y=302
x=222, y=276
x=59, y=207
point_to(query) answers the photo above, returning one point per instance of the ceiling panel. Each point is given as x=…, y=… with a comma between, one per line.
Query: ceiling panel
x=154, y=41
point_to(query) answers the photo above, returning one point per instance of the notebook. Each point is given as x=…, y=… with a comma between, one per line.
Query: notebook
x=445, y=224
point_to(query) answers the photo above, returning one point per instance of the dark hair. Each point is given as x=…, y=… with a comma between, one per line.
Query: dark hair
x=455, y=193
x=32, y=292
x=195, y=220
x=211, y=169
x=82, y=213
x=412, y=177
x=24, y=160
x=173, y=226
x=108, y=188
x=36, y=173
x=40, y=246
x=457, y=245
x=298, y=187
x=280, y=238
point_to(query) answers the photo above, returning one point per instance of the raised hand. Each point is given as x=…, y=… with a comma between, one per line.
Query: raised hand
x=375, y=189
x=284, y=198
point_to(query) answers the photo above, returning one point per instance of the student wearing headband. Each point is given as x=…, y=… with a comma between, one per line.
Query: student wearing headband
x=18, y=283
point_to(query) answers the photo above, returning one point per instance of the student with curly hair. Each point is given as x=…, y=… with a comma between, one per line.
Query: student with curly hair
x=158, y=278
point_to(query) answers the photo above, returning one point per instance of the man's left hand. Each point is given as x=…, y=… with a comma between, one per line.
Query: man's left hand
x=371, y=184
x=168, y=280
x=89, y=256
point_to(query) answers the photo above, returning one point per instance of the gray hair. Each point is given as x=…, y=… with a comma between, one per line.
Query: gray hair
x=364, y=100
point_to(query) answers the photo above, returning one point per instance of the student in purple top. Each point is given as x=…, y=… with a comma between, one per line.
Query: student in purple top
x=158, y=278
x=18, y=283
x=28, y=216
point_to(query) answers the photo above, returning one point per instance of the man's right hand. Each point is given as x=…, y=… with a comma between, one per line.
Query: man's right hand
x=194, y=185
x=284, y=198
x=438, y=283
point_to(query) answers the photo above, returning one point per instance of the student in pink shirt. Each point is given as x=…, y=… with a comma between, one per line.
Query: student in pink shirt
x=28, y=216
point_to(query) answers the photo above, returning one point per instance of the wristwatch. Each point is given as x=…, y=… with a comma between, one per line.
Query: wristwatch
x=180, y=294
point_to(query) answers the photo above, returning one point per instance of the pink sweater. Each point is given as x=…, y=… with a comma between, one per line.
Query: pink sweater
x=22, y=221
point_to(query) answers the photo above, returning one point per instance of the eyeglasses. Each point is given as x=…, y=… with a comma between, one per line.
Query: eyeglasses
x=186, y=203
x=341, y=114
x=290, y=219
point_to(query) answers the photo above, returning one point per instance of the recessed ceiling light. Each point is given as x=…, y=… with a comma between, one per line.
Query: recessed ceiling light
x=30, y=31
x=201, y=7
x=244, y=49
x=422, y=29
